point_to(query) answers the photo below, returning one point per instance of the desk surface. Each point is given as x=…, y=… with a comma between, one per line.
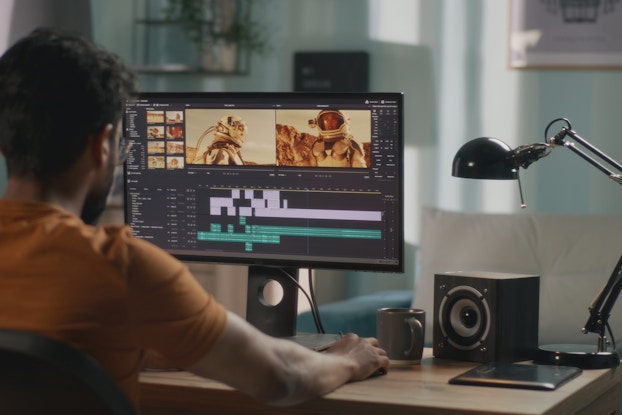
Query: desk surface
x=420, y=389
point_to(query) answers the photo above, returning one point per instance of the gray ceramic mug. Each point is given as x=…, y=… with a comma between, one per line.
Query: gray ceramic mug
x=400, y=332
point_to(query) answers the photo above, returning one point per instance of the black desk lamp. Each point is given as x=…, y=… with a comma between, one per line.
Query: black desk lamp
x=489, y=158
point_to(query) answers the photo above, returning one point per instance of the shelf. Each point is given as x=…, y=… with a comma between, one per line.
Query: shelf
x=182, y=69
x=161, y=48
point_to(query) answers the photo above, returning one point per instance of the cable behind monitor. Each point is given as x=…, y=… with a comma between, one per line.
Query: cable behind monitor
x=279, y=319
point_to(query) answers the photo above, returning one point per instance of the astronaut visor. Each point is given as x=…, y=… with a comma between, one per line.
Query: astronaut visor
x=330, y=121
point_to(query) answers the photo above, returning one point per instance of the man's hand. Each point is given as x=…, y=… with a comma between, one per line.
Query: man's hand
x=366, y=353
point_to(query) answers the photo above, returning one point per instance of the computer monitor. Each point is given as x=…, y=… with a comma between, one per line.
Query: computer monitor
x=276, y=181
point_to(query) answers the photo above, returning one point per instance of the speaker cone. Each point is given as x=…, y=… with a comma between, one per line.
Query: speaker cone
x=464, y=317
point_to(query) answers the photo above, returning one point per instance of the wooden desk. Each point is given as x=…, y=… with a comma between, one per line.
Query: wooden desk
x=416, y=390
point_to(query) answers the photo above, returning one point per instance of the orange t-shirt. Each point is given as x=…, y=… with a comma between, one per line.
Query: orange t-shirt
x=102, y=291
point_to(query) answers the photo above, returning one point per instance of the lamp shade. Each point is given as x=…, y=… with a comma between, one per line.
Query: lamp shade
x=485, y=158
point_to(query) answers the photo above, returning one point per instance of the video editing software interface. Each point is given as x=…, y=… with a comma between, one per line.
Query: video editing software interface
x=287, y=179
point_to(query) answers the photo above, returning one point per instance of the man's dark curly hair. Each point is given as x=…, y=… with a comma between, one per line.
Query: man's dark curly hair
x=56, y=88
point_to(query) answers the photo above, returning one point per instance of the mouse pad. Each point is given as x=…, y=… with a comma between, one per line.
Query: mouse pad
x=515, y=375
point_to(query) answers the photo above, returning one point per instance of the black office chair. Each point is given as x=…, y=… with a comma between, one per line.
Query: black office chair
x=39, y=375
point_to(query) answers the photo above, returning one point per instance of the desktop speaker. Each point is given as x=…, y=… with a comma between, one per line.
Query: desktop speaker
x=485, y=316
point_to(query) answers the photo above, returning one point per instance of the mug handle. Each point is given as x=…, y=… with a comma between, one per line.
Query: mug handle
x=416, y=334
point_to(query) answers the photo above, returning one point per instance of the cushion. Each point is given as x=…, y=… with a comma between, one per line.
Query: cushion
x=574, y=255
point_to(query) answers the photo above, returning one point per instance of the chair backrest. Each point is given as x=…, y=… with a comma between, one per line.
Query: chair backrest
x=39, y=375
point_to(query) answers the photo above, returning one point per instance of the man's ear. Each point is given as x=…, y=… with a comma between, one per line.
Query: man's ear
x=100, y=145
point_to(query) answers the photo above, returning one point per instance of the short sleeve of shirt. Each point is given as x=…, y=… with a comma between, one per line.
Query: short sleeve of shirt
x=172, y=313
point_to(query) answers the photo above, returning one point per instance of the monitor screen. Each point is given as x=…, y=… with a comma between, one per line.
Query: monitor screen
x=303, y=180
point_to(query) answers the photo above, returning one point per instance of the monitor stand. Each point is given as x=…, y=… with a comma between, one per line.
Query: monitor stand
x=279, y=320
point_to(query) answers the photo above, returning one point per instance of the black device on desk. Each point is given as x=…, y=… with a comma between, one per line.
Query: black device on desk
x=517, y=375
x=314, y=180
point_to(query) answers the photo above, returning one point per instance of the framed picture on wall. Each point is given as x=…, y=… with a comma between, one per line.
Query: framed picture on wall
x=563, y=34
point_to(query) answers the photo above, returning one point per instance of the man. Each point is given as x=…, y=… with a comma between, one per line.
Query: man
x=98, y=288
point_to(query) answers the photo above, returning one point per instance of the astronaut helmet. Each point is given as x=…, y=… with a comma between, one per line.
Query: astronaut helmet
x=333, y=125
x=232, y=128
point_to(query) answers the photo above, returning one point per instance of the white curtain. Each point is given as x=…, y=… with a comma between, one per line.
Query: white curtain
x=476, y=96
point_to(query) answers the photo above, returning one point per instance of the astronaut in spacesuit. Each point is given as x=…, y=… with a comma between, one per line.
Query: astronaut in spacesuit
x=226, y=147
x=336, y=146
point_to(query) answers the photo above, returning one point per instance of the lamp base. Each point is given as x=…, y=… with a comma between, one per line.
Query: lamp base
x=577, y=355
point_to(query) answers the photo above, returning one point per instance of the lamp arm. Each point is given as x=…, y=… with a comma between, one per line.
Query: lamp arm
x=559, y=140
x=601, y=307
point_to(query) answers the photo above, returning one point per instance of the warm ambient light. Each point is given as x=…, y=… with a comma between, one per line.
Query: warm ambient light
x=489, y=158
